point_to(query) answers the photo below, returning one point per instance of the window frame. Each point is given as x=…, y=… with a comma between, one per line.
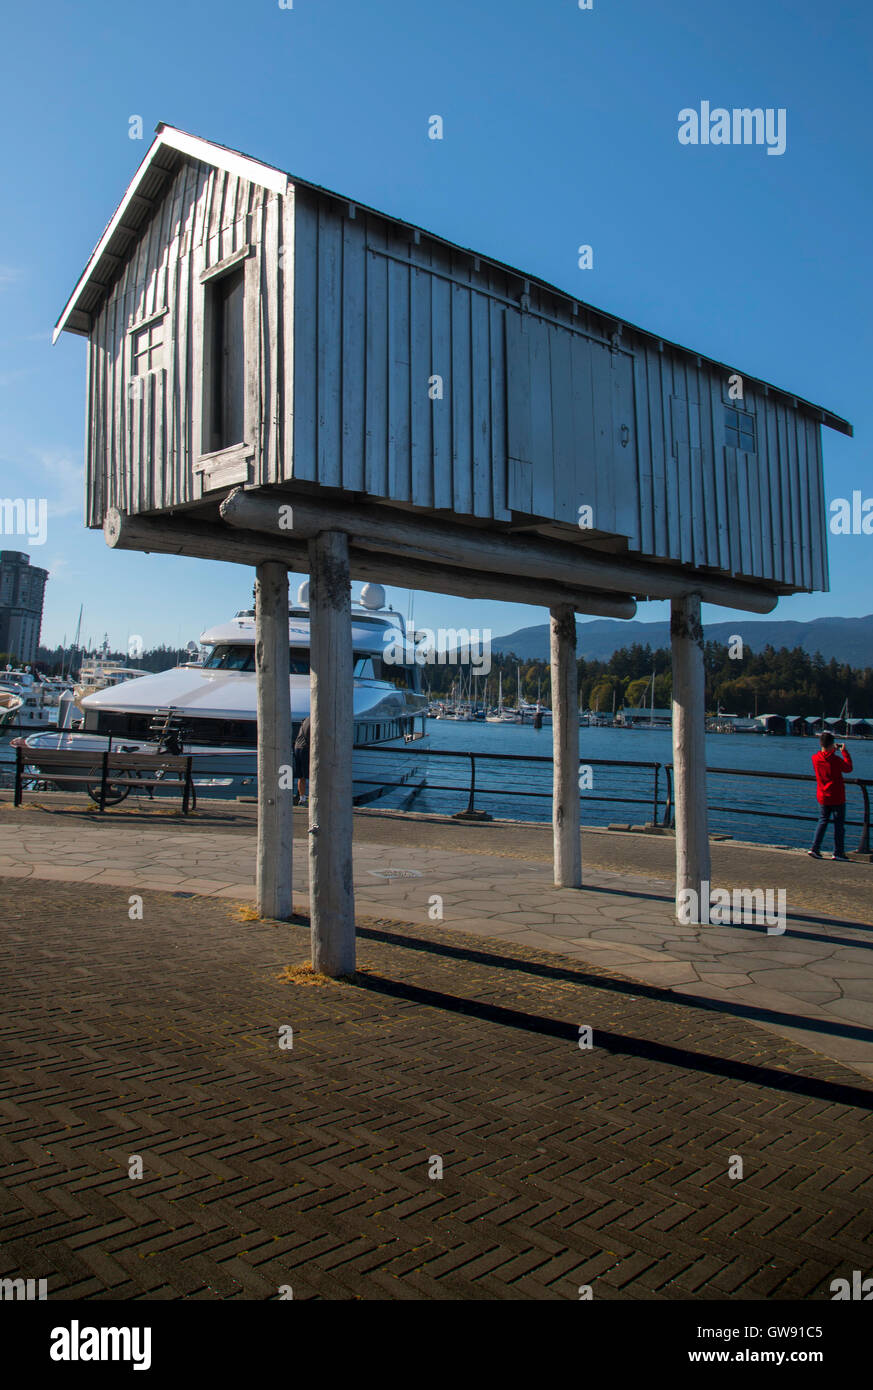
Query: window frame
x=137, y=326
x=216, y=468
x=738, y=430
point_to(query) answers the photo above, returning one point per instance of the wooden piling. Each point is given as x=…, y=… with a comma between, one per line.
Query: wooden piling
x=565, y=750
x=275, y=770
x=331, y=892
x=693, y=868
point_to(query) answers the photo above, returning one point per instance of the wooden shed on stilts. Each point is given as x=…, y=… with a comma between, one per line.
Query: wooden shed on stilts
x=281, y=377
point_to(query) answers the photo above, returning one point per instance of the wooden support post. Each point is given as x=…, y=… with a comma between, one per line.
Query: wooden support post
x=331, y=894
x=275, y=770
x=565, y=750
x=689, y=761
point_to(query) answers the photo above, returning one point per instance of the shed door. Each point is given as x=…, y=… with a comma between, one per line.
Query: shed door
x=570, y=427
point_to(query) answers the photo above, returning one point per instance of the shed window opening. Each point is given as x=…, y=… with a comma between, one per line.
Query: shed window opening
x=225, y=376
x=148, y=348
x=740, y=431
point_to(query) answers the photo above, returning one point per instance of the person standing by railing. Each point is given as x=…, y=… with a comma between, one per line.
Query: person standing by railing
x=830, y=764
x=301, y=761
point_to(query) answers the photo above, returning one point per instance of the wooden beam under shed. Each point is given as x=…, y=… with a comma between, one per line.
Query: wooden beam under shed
x=423, y=539
x=203, y=540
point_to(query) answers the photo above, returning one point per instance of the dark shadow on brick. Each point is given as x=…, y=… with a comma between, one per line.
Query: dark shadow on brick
x=617, y=985
x=619, y=1044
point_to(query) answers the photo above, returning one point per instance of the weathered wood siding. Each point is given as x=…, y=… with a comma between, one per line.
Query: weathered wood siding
x=544, y=409
x=143, y=438
x=543, y=406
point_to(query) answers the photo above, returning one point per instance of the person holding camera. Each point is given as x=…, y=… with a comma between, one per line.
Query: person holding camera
x=830, y=764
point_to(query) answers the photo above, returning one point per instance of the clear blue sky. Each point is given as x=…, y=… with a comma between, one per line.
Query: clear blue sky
x=560, y=128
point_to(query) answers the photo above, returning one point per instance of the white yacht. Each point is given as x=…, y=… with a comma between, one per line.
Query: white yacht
x=99, y=673
x=215, y=705
x=38, y=698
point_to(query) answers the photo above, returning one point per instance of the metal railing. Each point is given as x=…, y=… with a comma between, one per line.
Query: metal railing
x=661, y=804
x=665, y=818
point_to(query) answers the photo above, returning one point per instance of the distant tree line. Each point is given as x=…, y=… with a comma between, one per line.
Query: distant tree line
x=50, y=659
x=767, y=682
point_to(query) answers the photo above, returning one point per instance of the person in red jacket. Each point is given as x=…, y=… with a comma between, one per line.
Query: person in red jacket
x=830, y=764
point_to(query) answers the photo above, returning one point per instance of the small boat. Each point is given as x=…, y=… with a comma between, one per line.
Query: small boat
x=497, y=716
x=9, y=706
x=38, y=698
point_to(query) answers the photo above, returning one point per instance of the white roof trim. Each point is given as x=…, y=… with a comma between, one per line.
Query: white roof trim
x=264, y=174
x=196, y=148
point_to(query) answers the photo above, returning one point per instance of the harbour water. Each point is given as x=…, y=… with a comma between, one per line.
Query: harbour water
x=741, y=796
x=748, y=808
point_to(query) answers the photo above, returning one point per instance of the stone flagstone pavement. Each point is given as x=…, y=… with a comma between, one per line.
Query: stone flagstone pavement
x=812, y=985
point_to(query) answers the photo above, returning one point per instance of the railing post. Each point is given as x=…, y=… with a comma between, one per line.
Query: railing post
x=655, y=795
x=668, y=804
x=104, y=768
x=470, y=813
x=864, y=842
x=19, y=773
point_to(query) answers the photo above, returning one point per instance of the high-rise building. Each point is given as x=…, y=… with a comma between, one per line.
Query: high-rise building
x=22, y=587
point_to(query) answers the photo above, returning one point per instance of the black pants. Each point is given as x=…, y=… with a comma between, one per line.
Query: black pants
x=824, y=815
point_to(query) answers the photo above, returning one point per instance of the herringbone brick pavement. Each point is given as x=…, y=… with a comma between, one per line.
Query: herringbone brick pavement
x=309, y=1167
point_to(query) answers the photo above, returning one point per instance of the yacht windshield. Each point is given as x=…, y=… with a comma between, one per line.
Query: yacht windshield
x=232, y=657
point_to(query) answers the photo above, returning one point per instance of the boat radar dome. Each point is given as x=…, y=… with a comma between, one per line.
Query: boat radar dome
x=373, y=596
x=303, y=595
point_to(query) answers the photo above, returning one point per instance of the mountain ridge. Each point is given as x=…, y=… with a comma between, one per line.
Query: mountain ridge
x=847, y=640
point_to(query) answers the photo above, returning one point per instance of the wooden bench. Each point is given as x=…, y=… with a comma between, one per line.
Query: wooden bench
x=106, y=774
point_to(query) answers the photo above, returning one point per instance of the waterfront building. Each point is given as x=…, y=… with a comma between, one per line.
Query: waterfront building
x=22, y=589
x=643, y=717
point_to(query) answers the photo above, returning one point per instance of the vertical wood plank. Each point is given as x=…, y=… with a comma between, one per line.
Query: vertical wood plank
x=287, y=278
x=398, y=382
x=542, y=436
x=271, y=385
x=376, y=457
x=441, y=411
x=461, y=402
x=499, y=448
x=421, y=406
x=643, y=427
x=566, y=502
x=354, y=355
x=480, y=404
x=329, y=348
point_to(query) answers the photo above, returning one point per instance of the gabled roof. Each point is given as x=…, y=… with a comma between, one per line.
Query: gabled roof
x=162, y=160
x=171, y=146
